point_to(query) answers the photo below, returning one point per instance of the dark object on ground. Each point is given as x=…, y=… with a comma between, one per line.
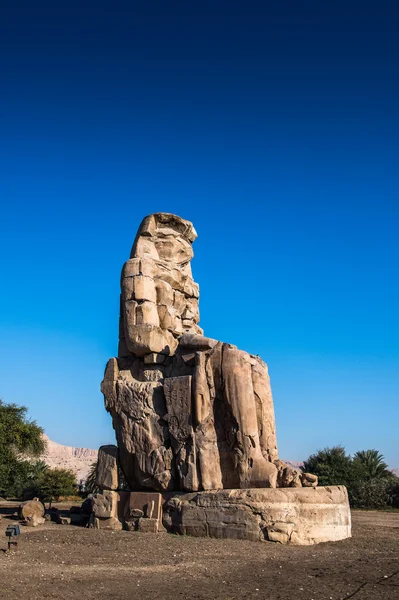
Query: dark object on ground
x=12, y=533
x=86, y=507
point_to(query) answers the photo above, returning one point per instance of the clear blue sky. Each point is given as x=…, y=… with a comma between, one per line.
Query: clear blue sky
x=273, y=126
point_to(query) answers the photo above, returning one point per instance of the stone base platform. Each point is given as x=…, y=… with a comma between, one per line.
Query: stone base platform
x=304, y=515
x=301, y=516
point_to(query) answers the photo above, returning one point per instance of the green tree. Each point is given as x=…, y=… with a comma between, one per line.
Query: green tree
x=333, y=466
x=376, y=493
x=373, y=463
x=90, y=485
x=29, y=486
x=20, y=439
x=366, y=476
x=56, y=483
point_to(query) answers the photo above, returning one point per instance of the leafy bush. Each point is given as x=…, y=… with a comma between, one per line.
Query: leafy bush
x=366, y=476
x=20, y=439
x=332, y=466
x=56, y=483
x=21, y=476
x=377, y=493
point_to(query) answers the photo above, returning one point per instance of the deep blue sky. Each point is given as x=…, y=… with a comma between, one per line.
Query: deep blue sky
x=273, y=126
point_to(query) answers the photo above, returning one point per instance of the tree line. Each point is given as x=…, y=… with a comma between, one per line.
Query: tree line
x=369, y=482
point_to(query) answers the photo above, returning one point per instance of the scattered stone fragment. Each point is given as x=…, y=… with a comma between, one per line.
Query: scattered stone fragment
x=136, y=513
x=112, y=524
x=309, y=480
x=34, y=520
x=147, y=525
x=30, y=508
x=143, y=505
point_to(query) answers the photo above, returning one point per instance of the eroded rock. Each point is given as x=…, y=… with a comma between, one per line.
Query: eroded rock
x=34, y=520
x=190, y=413
x=105, y=505
x=31, y=508
x=107, y=468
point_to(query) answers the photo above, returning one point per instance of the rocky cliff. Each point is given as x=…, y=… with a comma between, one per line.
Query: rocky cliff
x=79, y=460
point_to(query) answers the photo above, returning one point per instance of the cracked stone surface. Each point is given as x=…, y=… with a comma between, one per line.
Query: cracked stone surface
x=190, y=412
x=299, y=516
x=194, y=417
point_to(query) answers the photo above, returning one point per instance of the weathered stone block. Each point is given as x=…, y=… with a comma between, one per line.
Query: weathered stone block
x=177, y=392
x=166, y=316
x=139, y=266
x=290, y=515
x=112, y=523
x=105, y=505
x=144, y=248
x=131, y=268
x=164, y=292
x=128, y=292
x=144, y=288
x=179, y=301
x=154, y=358
x=147, y=314
x=34, y=521
x=138, y=504
x=143, y=339
x=147, y=525
x=107, y=468
x=31, y=508
x=309, y=480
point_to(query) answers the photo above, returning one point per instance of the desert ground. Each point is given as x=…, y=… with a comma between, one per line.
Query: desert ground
x=65, y=561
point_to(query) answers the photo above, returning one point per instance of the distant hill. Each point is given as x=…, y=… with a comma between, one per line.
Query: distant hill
x=79, y=460
x=294, y=464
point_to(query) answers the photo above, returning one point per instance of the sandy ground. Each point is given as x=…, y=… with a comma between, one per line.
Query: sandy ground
x=64, y=561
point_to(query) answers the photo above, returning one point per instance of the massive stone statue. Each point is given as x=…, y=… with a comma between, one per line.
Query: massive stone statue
x=190, y=413
x=194, y=418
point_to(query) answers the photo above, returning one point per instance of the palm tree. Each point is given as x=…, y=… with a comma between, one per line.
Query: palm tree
x=372, y=462
x=90, y=484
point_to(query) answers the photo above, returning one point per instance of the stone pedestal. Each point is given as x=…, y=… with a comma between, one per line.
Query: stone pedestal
x=299, y=516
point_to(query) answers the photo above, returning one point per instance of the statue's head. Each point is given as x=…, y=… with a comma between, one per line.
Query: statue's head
x=159, y=300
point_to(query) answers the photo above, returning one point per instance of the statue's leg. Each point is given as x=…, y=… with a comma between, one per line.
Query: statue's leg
x=253, y=468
